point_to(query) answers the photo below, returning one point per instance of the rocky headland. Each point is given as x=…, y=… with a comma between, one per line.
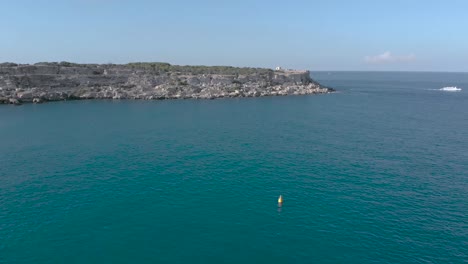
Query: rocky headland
x=42, y=82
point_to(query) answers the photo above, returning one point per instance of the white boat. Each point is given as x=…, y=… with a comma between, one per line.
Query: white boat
x=450, y=89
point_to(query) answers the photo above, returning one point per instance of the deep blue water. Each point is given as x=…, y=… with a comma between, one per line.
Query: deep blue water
x=377, y=173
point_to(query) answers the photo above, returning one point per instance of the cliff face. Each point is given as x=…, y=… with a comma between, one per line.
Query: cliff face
x=54, y=81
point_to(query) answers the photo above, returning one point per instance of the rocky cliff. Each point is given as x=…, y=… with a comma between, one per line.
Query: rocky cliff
x=67, y=81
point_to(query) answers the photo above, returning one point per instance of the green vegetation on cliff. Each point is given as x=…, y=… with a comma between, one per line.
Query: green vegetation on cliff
x=225, y=70
x=161, y=67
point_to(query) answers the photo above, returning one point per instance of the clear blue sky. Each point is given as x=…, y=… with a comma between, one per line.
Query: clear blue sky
x=420, y=35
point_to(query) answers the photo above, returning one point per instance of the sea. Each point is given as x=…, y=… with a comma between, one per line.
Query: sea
x=374, y=173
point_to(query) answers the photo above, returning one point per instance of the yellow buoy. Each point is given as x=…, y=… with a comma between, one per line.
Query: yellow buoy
x=280, y=199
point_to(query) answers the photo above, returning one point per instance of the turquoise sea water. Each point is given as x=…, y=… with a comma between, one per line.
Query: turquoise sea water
x=377, y=173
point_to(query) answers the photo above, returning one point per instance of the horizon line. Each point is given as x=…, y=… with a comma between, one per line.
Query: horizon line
x=407, y=71
x=219, y=65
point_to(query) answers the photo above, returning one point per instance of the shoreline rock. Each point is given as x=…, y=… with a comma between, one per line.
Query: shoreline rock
x=43, y=82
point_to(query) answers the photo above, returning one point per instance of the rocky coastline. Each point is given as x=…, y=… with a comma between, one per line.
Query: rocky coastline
x=51, y=81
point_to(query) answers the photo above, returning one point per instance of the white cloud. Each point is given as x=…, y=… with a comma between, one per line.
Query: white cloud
x=388, y=57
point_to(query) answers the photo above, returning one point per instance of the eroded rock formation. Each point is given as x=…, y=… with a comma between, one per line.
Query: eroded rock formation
x=43, y=82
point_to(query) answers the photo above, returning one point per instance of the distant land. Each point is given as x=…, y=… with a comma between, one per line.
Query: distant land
x=58, y=81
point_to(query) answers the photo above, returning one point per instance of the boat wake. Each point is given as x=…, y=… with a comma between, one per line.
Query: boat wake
x=450, y=89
